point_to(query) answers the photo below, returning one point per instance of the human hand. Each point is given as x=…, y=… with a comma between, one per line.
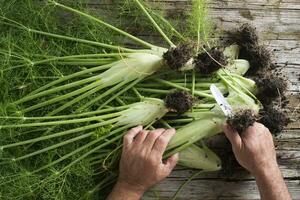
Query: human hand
x=254, y=148
x=141, y=164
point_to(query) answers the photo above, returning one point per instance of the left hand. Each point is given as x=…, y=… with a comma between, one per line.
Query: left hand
x=141, y=164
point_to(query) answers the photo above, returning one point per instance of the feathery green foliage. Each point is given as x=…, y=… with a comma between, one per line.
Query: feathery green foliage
x=65, y=59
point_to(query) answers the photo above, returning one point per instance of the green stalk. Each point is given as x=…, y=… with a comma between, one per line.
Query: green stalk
x=94, y=55
x=203, y=79
x=117, y=48
x=57, y=59
x=193, y=82
x=81, y=149
x=163, y=122
x=63, y=87
x=112, y=153
x=115, y=96
x=79, y=98
x=179, y=35
x=37, y=93
x=94, y=43
x=53, y=146
x=155, y=24
x=68, y=116
x=106, y=93
x=153, y=90
x=146, y=44
x=104, y=183
x=61, y=122
x=235, y=88
x=65, y=96
x=86, y=63
x=198, y=93
x=187, y=182
x=60, y=134
x=96, y=148
x=181, y=120
x=120, y=101
x=198, y=84
x=206, y=105
x=136, y=92
x=98, y=156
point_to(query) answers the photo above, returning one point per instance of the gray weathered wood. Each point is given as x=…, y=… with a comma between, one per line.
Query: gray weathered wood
x=278, y=23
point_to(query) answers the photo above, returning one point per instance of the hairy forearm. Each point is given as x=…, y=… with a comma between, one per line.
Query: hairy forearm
x=124, y=192
x=271, y=184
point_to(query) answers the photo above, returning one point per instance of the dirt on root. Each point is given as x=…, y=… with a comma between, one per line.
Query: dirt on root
x=270, y=87
x=177, y=57
x=274, y=119
x=245, y=35
x=242, y=120
x=208, y=62
x=179, y=101
x=259, y=57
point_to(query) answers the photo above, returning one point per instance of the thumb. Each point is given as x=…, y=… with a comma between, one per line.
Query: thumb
x=171, y=163
x=233, y=136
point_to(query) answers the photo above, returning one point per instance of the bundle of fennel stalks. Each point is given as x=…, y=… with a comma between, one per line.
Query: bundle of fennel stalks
x=62, y=139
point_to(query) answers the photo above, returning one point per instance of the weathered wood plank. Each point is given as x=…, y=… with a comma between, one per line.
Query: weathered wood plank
x=210, y=189
x=273, y=19
x=278, y=24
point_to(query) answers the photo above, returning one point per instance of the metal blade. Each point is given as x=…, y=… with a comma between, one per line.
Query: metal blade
x=221, y=101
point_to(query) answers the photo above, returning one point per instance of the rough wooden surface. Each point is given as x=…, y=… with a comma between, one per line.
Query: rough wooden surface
x=278, y=23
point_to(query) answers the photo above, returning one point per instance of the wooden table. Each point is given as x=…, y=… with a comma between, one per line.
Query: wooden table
x=278, y=24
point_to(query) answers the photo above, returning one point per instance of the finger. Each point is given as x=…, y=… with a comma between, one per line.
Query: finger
x=170, y=163
x=152, y=136
x=162, y=141
x=128, y=138
x=259, y=126
x=233, y=136
x=139, y=138
x=256, y=129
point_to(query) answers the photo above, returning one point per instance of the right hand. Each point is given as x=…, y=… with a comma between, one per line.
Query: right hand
x=254, y=148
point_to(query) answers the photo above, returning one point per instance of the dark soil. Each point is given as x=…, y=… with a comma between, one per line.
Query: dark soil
x=229, y=163
x=245, y=35
x=242, y=120
x=206, y=63
x=259, y=57
x=179, y=101
x=270, y=87
x=274, y=119
x=178, y=57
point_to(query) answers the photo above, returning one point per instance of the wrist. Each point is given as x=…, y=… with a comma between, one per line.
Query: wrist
x=128, y=191
x=267, y=171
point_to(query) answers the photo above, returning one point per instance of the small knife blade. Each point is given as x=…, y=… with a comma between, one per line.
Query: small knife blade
x=221, y=101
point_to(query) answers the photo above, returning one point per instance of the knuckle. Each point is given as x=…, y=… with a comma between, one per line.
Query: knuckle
x=126, y=136
x=144, y=133
x=260, y=126
x=154, y=134
x=267, y=130
x=135, y=129
x=153, y=160
x=162, y=140
x=172, y=131
x=125, y=139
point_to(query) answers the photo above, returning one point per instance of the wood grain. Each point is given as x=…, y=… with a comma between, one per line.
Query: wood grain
x=278, y=24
